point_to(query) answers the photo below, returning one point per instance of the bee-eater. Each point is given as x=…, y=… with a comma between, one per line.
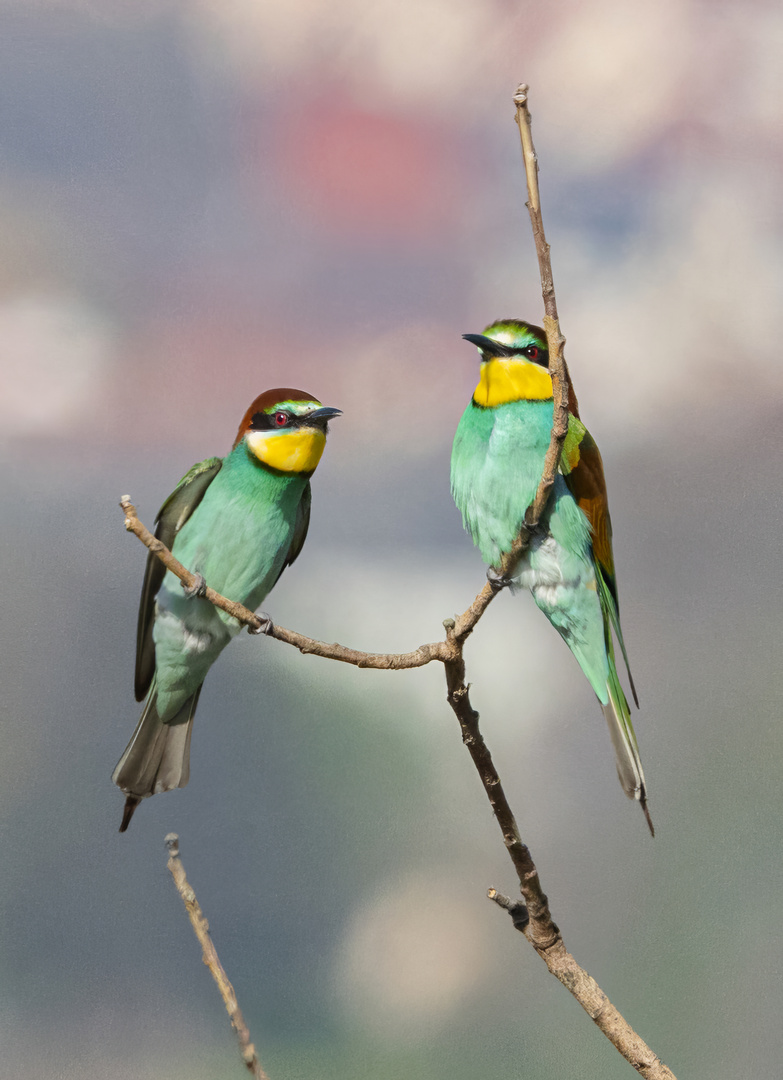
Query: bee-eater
x=236, y=523
x=496, y=465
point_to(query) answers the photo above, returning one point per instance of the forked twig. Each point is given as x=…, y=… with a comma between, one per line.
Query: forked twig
x=540, y=930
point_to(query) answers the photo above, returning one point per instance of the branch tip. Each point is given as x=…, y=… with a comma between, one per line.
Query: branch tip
x=520, y=97
x=516, y=909
x=210, y=957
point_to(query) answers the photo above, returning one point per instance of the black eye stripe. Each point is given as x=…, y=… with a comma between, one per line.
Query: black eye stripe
x=541, y=358
x=261, y=422
x=266, y=421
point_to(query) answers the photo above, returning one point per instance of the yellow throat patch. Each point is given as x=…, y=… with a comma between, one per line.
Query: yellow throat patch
x=297, y=451
x=508, y=379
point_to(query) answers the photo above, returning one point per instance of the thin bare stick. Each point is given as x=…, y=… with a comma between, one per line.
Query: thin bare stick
x=562, y=390
x=157, y=547
x=541, y=931
x=534, y=201
x=209, y=955
x=593, y=1000
x=385, y=661
x=539, y=928
x=424, y=654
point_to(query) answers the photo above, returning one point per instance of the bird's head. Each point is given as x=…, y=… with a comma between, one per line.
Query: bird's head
x=285, y=430
x=514, y=363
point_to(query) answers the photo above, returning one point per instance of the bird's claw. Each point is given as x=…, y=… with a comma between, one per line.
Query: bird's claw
x=198, y=588
x=497, y=580
x=266, y=626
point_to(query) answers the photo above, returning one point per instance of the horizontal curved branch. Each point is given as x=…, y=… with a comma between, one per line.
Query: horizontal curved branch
x=539, y=928
x=541, y=931
x=157, y=547
x=438, y=650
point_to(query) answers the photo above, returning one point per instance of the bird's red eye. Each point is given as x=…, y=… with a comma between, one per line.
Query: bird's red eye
x=531, y=352
x=281, y=419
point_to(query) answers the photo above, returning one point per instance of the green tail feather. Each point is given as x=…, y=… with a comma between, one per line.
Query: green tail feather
x=608, y=606
x=626, y=750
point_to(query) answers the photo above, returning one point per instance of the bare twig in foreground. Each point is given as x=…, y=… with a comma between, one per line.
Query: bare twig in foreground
x=210, y=957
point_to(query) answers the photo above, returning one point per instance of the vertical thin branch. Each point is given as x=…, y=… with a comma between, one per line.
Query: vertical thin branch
x=539, y=928
x=210, y=957
x=564, y=395
x=542, y=931
x=534, y=201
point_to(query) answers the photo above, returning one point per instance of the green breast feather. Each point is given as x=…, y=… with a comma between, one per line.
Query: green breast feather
x=496, y=465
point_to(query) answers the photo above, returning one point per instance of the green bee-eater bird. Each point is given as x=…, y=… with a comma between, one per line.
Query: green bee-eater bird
x=496, y=466
x=236, y=523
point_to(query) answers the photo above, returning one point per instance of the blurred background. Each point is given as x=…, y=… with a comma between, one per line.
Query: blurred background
x=199, y=201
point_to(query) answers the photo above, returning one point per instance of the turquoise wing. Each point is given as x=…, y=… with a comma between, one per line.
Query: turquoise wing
x=175, y=511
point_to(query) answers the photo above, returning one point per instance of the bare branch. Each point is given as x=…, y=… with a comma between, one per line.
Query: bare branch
x=541, y=931
x=593, y=1000
x=210, y=957
x=538, y=927
x=561, y=383
x=534, y=201
x=157, y=547
x=557, y=959
x=384, y=661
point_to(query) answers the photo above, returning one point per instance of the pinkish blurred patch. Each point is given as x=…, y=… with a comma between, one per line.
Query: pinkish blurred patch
x=369, y=176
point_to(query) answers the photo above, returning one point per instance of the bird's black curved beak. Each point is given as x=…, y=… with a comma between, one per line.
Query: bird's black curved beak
x=488, y=345
x=321, y=417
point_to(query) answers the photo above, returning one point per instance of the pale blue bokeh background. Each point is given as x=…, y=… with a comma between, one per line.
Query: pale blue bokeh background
x=200, y=201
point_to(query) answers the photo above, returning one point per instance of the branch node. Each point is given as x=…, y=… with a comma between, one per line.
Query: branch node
x=516, y=909
x=499, y=898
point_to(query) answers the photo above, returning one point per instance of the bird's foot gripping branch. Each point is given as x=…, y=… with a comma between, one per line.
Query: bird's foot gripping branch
x=265, y=625
x=198, y=588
